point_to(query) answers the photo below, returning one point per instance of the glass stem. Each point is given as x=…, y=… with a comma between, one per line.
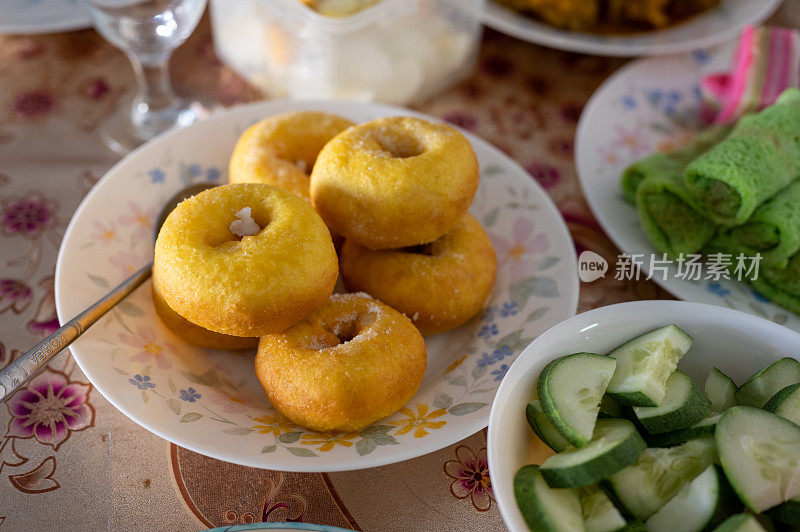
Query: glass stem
x=152, y=79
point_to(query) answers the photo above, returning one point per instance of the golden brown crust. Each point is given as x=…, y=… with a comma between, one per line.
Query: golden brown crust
x=251, y=286
x=281, y=150
x=194, y=334
x=350, y=363
x=394, y=182
x=438, y=287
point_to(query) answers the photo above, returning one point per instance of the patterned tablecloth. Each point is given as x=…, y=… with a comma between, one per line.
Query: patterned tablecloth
x=101, y=470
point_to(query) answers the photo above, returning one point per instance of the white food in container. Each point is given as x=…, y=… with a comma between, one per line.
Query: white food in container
x=395, y=51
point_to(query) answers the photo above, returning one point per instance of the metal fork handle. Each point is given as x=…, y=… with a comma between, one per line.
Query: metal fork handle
x=20, y=371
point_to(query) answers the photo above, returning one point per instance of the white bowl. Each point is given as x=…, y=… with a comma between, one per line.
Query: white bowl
x=738, y=344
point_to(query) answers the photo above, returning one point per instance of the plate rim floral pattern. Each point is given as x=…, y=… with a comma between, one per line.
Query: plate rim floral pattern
x=507, y=21
x=460, y=415
x=654, y=113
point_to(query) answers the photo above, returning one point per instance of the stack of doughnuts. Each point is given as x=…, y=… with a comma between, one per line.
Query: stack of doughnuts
x=398, y=190
x=255, y=259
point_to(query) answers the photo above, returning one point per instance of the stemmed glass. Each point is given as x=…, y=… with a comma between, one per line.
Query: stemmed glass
x=147, y=31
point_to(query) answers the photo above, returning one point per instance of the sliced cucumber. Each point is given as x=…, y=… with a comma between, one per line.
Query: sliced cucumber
x=720, y=390
x=645, y=363
x=616, y=444
x=760, y=453
x=634, y=526
x=541, y=425
x=644, y=487
x=767, y=382
x=546, y=509
x=786, y=403
x=787, y=512
x=570, y=389
x=609, y=408
x=702, y=429
x=683, y=406
x=703, y=503
x=599, y=513
x=740, y=523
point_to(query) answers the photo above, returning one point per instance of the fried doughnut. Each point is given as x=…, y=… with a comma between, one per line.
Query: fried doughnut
x=249, y=285
x=439, y=286
x=350, y=363
x=394, y=182
x=194, y=334
x=281, y=150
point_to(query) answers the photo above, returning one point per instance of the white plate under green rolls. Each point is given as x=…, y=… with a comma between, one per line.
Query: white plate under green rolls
x=653, y=105
x=210, y=401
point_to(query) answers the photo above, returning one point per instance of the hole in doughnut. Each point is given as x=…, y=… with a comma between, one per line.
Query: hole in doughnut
x=399, y=145
x=297, y=154
x=303, y=166
x=348, y=327
x=244, y=222
x=420, y=249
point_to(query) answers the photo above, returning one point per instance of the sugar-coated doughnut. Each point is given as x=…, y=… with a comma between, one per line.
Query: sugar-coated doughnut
x=394, y=182
x=439, y=285
x=350, y=363
x=249, y=285
x=281, y=150
x=194, y=334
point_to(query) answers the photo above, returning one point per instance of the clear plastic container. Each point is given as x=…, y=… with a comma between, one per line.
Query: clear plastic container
x=396, y=51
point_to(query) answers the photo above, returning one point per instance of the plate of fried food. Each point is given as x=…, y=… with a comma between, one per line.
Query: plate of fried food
x=626, y=27
x=350, y=295
x=701, y=195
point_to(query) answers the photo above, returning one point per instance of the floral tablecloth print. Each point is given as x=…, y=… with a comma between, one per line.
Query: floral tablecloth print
x=69, y=460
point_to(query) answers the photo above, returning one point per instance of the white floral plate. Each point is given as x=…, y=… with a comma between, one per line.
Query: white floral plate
x=652, y=104
x=210, y=401
x=42, y=16
x=708, y=29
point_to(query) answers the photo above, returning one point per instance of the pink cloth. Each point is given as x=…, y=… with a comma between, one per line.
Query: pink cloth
x=766, y=62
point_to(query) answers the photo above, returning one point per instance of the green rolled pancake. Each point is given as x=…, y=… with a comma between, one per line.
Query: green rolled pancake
x=773, y=230
x=781, y=286
x=760, y=157
x=672, y=162
x=671, y=224
x=786, y=279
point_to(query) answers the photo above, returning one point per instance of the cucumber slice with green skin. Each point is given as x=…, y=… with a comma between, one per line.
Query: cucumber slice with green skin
x=644, y=487
x=634, y=526
x=786, y=403
x=705, y=427
x=599, y=513
x=616, y=444
x=645, y=363
x=740, y=523
x=720, y=390
x=760, y=453
x=683, y=406
x=786, y=512
x=609, y=408
x=570, y=389
x=546, y=509
x=767, y=382
x=541, y=425
x=700, y=505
